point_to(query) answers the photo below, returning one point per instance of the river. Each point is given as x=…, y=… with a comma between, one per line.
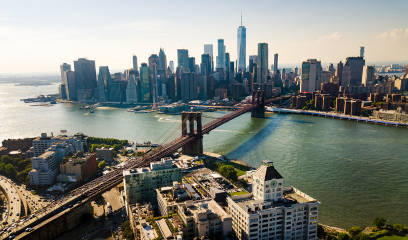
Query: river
x=357, y=171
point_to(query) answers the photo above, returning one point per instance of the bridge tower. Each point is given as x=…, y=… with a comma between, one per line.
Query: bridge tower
x=195, y=130
x=258, y=99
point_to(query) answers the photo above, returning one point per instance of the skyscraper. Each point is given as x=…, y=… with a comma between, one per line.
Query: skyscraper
x=135, y=63
x=85, y=78
x=241, y=47
x=131, y=89
x=208, y=49
x=362, y=52
x=262, y=63
x=145, y=83
x=171, y=66
x=368, y=76
x=104, y=81
x=162, y=60
x=353, y=71
x=153, y=64
x=65, y=67
x=275, y=63
x=205, y=64
x=221, y=54
x=191, y=64
x=311, y=75
x=182, y=59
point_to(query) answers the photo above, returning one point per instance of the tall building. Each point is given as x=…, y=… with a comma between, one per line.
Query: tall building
x=85, y=78
x=131, y=89
x=311, y=76
x=368, y=76
x=275, y=63
x=362, y=52
x=339, y=72
x=191, y=64
x=262, y=64
x=162, y=60
x=68, y=81
x=135, y=67
x=145, y=95
x=153, y=65
x=171, y=66
x=221, y=54
x=241, y=48
x=182, y=59
x=208, y=49
x=273, y=211
x=353, y=71
x=205, y=64
x=104, y=83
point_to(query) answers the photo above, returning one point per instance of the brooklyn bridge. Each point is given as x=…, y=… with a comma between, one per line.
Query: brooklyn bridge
x=190, y=141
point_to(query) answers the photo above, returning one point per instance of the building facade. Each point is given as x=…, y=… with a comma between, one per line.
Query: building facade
x=273, y=212
x=241, y=47
x=262, y=63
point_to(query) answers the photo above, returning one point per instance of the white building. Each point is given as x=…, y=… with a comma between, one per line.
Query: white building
x=272, y=212
x=311, y=76
x=41, y=144
x=45, y=169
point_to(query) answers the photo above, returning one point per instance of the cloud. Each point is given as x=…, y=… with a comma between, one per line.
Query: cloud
x=331, y=37
x=395, y=34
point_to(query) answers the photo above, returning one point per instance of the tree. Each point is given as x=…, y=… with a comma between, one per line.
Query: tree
x=379, y=222
x=102, y=165
x=228, y=172
x=10, y=171
x=126, y=230
x=354, y=231
x=343, y=236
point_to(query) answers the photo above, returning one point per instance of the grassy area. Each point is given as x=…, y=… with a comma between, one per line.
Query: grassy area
x=238, y=193
x=394, y=237
x=239, y=169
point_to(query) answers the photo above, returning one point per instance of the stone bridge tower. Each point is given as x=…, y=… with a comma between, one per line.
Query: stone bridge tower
x=192, y=128
x=258, y=99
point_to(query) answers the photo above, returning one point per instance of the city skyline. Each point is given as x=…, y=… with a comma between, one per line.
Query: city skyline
x=33, y=42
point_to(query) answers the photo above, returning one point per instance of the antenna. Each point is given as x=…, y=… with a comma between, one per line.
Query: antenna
x=241, y=17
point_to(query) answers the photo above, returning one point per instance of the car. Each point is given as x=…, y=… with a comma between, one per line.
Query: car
x=28, y=229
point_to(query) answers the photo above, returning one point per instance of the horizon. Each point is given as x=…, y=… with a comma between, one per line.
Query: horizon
x=37, y=38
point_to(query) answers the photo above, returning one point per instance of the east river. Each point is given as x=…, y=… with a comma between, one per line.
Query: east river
x=357, y=171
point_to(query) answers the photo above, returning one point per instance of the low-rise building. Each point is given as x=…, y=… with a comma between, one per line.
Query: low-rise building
x=80, y=167
x=140, y=184
x=168, y=197
x=45, y=169
x=105, y=154
x=204, y=219
x=272, y=212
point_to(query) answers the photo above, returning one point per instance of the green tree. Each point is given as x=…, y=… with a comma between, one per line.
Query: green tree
x=379, y=222
x=228, y=172
x=343, y=236
x=10, y=171
x=354, y=231
x=102, y=165
x=126, y=230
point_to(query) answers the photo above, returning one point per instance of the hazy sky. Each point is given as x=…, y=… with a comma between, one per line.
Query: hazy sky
x=38, y=35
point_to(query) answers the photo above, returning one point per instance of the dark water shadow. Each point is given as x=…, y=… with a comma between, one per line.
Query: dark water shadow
x=253, y=142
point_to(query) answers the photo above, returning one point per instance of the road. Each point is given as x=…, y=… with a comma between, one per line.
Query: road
x=13, y=213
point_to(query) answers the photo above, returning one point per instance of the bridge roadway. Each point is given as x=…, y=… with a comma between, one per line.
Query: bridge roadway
x=113, y=178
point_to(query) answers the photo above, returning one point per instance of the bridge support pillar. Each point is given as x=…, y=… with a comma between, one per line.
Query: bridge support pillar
x=258, y=99
x=193, y=129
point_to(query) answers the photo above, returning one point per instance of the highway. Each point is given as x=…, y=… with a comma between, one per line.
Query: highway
x=13, y=213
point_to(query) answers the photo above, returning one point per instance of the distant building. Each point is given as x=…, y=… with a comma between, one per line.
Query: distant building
x=140, y=184
x=362, y=52
x=208, y=49
x=352, y=71
x=42, y=143
x=191, y=64
x=368, y=78
x=311, y=76
x=104, y=83
x=182, y=59
x=262, y=63
x=145, y=95
x=221, y=54
x=273, y=212
x=85, y=79
x=275, y=63
x=132, y=87
x=134, y=61
x=241, y=47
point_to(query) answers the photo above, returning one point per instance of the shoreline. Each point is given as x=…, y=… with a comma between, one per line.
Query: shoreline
x=336, y=116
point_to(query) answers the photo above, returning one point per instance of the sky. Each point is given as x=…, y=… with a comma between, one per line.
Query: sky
x=36, y=36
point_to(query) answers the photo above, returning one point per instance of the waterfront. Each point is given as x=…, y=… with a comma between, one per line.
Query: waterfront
x=357, y=171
